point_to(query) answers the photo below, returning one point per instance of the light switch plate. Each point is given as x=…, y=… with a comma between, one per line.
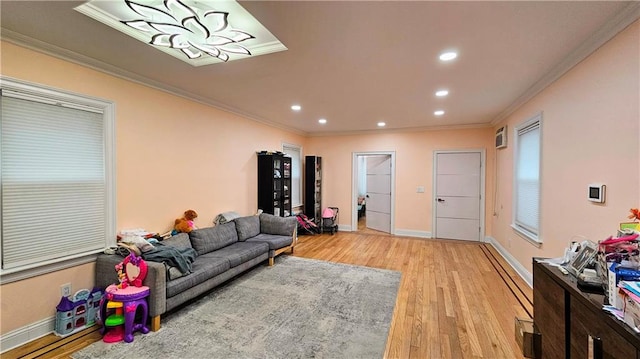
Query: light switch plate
x=420, y=189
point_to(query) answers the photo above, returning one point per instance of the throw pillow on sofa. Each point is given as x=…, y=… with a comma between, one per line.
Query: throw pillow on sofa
x=247, y=227
x=180, y=240
x=205, y=240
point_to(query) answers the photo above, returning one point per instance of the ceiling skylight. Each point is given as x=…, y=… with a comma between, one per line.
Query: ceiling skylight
x=197, y=32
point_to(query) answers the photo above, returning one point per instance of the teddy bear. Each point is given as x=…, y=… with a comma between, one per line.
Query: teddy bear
x=185, y=224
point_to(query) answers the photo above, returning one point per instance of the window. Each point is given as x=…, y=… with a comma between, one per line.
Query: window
x=527, y=179
x=56, y=171
x=295, y=152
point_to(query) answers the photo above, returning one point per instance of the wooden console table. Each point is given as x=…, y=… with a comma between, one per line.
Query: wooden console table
x=572, y=323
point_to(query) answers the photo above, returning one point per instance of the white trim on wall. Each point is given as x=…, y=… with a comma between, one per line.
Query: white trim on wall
x=413, y=233
x=513, y=262
x=21, y=336
x=606, y=32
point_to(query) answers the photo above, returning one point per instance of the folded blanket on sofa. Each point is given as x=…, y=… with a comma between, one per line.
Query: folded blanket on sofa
x=181, y=258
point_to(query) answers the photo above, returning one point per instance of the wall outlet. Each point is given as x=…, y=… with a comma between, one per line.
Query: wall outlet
x=65, y=290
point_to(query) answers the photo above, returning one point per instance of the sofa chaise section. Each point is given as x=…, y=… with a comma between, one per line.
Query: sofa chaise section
x=280, y=233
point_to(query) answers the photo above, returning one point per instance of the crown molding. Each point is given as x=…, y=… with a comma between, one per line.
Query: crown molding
x=384, y=131
x=610, y=29
x=97, y=65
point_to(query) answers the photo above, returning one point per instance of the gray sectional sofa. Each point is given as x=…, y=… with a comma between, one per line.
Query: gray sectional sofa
x=223, y=252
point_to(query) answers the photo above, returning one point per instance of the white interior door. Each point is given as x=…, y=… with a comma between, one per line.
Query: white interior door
x=457, y=200
x=378, y=199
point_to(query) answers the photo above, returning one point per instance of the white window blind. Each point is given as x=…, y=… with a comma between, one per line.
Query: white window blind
x=295, y=153
x=56, y=190
x=527, y=178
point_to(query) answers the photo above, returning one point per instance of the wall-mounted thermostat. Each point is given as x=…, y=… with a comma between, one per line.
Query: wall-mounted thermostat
x=597, y=192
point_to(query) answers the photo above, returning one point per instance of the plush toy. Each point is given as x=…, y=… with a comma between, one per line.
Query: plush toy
x=635, y=214
x=185, y=224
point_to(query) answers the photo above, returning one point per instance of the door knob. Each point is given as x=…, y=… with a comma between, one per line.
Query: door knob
x=440, y=200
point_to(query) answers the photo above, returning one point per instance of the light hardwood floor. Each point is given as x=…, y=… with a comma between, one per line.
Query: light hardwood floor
x=456, y=299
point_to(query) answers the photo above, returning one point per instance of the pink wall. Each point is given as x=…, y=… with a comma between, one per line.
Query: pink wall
x=590, y=133
x=414, y=167
x=172, y=154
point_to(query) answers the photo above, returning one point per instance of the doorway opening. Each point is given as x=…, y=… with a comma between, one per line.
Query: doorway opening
x=373, y=192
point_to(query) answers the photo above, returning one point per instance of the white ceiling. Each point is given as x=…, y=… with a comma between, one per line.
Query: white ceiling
x=353, y=63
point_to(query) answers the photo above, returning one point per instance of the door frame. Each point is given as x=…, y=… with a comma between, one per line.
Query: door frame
x=354, y=188
x=483, y=197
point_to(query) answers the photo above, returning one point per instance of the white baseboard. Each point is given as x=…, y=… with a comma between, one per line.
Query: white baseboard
x=519, y=268
x=30, y=332
x=398, y=232
x=413, y=233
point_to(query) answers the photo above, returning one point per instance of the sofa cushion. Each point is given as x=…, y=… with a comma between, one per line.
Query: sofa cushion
x=204, y=267
x=271, y=224
x=240, y=252
x=210, y=239
x=180, y=240
x=247, y=227
x=273, y=240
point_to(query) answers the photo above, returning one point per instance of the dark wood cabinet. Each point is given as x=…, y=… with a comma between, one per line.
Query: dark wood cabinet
x=589, y=330
x=549, y=311
x=571, y=322
x=274, y=184
x=313, y=187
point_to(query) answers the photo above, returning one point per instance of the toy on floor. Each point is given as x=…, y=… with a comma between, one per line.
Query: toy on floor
x=122, y=302
x=78, y=311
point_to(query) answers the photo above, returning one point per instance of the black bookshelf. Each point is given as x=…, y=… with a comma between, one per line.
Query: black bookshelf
x=274, y=184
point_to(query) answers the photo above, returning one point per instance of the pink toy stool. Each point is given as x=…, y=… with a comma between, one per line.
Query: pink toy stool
x=131, y=298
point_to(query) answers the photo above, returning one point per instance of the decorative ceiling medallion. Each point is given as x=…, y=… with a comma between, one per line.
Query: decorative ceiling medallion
x=197, y=32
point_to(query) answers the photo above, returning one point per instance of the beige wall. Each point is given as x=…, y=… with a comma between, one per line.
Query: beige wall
x=172, y=154
x=414, y=167
x=590, y=133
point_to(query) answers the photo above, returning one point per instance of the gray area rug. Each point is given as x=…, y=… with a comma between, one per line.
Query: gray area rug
x=299, y=308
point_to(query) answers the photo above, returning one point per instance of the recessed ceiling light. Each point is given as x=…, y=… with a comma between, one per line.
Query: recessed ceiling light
x=296, y=107
x=442, y=93
x=438, y=113
x=381, y=124
x=322, y=121
x=448, y=56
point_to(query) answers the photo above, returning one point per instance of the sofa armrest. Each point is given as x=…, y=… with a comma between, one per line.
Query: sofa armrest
x=156, y=280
